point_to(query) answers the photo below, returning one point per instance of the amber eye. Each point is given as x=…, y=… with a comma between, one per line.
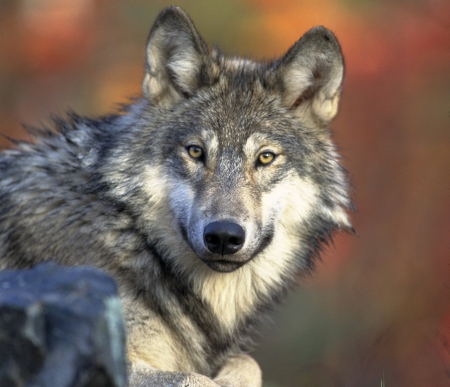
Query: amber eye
x=195, y=151
x=266, y=158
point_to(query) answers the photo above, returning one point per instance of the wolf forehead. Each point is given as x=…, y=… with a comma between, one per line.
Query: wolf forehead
x=203, y=90
x=231, y=111
x=245, y=99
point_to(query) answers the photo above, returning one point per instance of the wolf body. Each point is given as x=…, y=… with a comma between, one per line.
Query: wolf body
x=205, y=198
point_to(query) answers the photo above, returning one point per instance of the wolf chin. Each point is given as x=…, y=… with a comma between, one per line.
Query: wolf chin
x=205, y=198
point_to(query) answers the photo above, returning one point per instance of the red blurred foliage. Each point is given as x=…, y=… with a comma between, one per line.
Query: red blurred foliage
x=56, y=33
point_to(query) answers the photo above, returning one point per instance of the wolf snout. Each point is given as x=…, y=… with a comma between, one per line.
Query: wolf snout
x=223, y=238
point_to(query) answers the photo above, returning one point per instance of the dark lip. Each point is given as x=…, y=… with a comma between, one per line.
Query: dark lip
x=224, y=266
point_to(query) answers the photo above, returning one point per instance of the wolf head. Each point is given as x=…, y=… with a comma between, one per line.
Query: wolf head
x=239, y=151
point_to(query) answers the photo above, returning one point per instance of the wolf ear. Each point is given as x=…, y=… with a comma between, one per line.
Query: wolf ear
x=177, y=58
x=312, y=72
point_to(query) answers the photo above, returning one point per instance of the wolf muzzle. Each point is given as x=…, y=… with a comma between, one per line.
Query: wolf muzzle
x=224, y=239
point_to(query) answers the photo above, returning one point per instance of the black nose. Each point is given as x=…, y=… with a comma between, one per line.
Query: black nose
x=224, y=238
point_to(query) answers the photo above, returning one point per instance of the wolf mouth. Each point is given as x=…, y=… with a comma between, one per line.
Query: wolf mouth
x=228, y=266
x=224, y=266
x=233, y=263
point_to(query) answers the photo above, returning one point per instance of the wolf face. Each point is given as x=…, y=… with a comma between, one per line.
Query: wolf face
x=247, y=148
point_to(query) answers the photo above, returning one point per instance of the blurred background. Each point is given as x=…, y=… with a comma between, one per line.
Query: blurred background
x=377, y=310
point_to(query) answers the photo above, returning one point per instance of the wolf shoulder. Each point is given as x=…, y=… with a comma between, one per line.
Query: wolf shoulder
x=50, y=207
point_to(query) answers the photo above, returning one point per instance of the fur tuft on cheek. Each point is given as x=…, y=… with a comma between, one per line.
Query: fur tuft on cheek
x=291, y=202
x=286, y=208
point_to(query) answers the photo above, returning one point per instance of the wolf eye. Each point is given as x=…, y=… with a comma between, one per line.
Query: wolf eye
x=195, y=151
x=266, y=158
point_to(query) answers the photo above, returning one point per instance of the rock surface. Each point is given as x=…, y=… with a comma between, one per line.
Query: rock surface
x=60, y=327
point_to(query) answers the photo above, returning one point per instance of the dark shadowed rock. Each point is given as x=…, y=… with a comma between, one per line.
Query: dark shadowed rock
x=60, y=327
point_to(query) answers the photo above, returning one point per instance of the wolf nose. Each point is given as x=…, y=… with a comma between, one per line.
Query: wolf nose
x=223, y=238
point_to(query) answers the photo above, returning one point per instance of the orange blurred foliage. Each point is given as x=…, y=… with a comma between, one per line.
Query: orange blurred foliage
x=395, y=35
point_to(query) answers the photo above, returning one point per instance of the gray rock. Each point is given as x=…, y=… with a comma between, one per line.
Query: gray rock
x=60, y=327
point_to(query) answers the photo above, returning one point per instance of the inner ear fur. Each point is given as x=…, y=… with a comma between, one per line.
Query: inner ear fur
x=177, y=58
x=311, y=73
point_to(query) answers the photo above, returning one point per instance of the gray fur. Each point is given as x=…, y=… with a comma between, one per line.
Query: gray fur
x=122, y=193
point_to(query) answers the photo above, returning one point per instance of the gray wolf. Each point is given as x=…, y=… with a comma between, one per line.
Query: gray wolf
x=205, y=198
